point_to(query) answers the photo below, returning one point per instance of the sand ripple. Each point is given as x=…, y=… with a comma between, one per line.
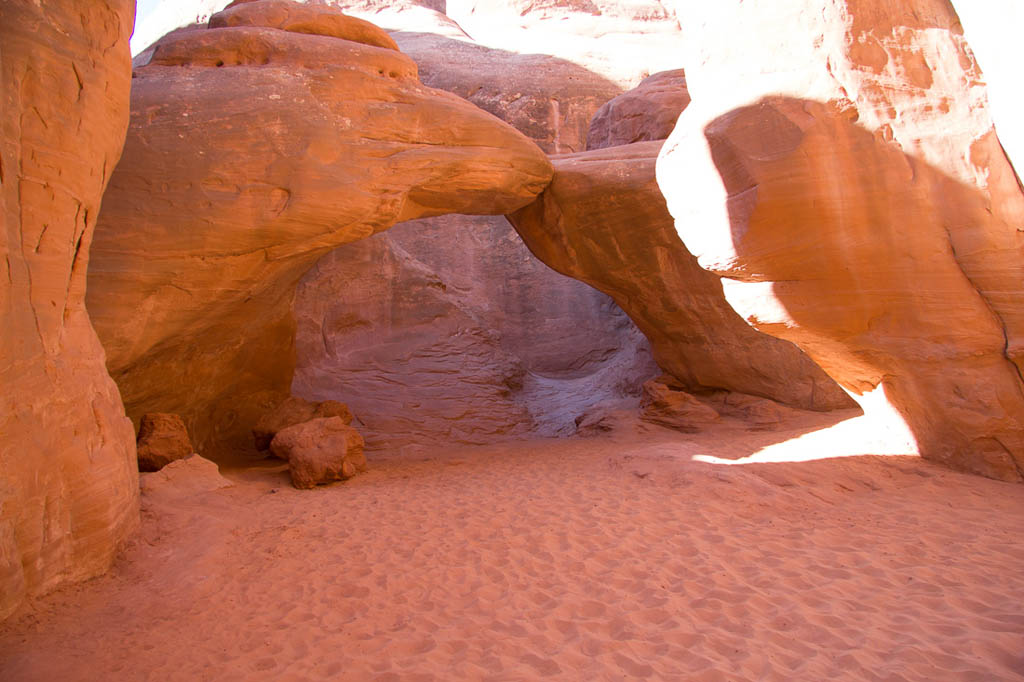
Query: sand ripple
x=595, y=559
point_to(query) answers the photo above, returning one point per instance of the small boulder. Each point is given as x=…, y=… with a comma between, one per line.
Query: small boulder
x=320, y=451
x=295, y=411
x=162, y=439
x=665, y=403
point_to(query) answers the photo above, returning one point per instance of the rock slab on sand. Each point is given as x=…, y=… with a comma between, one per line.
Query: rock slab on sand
x=320, y=451
x=182, y=478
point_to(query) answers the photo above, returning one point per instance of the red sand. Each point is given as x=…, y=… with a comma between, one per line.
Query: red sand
x=611, y=558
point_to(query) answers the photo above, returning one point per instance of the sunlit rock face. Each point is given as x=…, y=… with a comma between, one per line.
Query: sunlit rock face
x=68, y=478
x=253, y=151
x=848, y=185
x=604, y=221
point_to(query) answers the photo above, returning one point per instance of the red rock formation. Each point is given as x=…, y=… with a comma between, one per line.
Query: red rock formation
x=603, y=220
x=647, y=112
x=69, y=493
x=320, y=451
x=162, y=439
x=340, y=141
x=447, y=329
x=869, y=214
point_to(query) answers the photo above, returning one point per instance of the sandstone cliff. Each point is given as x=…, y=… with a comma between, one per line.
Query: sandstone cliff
x=69, y=492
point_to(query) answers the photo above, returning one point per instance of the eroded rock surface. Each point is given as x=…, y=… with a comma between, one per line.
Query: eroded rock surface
x=340, y=141
x=69, y=492
x=449, y=330
x=162, y=439
x=299, y=18
x=862, y=208
x=604, y=221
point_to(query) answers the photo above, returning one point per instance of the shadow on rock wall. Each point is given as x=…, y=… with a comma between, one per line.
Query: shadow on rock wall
x=449, y=330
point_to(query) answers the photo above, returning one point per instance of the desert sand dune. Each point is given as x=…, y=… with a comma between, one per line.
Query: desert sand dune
x=608, y=558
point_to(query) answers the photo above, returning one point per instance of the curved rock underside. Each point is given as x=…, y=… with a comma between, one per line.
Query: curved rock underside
x=447, y=329
x=69, y=488
x=252, y=152
x=864, y=210
x=603, y=220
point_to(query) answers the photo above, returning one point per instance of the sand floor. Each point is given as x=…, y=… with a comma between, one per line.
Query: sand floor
x=651, y=556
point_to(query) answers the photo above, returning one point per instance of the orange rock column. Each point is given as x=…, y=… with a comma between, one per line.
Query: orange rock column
x=68, y=478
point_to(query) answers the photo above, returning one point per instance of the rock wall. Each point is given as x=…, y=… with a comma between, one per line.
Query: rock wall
x=449, y=330
x=69, y=487
x=253, y=151
x=851, y=190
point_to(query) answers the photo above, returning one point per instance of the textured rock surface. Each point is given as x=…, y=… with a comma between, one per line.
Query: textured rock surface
x=666, y=403
x=68, y=493
x=647, y=112
x=341, y=141
x=162, y=439
x=320, y=451
x=866, y=211
x=295, y=411
x=603, y=220
x=448, y=329
x=622, y=41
